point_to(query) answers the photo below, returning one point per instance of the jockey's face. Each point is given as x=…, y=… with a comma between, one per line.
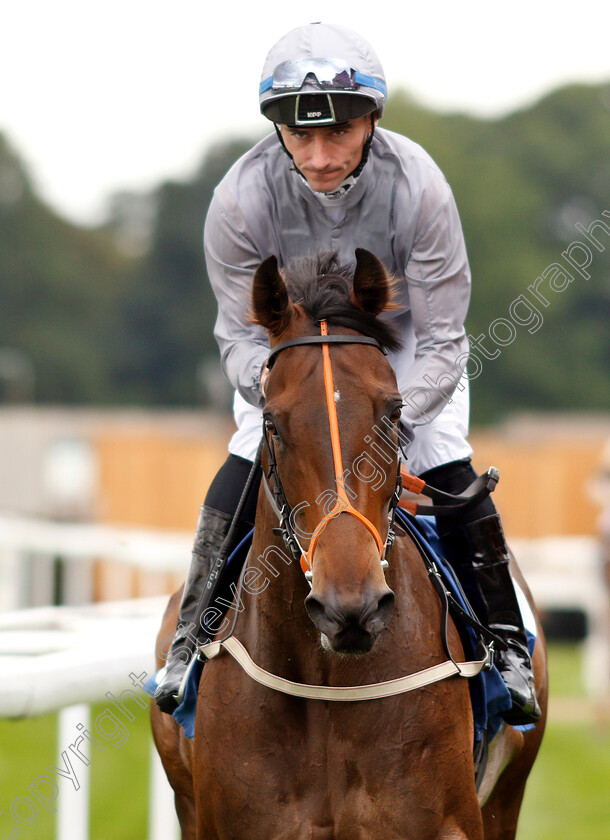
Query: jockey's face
x=326, y=155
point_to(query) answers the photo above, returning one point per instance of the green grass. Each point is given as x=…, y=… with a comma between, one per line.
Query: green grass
x=568, y=793
x=565, y=670
x=119, y=776
x=567, y=798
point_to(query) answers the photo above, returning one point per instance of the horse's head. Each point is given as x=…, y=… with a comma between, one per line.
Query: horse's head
x=331, y=428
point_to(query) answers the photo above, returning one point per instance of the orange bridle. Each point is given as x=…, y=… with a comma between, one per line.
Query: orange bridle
x=342, y=503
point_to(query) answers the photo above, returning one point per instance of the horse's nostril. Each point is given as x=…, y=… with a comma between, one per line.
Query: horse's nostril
x=332, y=617
x=318, y=614
x=382, y=615
x=314, y=607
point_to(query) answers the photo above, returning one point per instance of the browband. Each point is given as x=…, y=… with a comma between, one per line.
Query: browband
x=322, y=339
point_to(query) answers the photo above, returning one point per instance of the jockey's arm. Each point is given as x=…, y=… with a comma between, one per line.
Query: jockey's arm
x=231, y=260
x=438, y=280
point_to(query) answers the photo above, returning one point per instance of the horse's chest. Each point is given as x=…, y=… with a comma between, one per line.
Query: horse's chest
x=306, y=770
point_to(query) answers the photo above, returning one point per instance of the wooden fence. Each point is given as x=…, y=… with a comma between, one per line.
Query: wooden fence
x=152, y=470
x=160, y=480
x=543, y=487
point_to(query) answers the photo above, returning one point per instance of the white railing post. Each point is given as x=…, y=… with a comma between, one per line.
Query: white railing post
x=163, y=823
x=73, y=802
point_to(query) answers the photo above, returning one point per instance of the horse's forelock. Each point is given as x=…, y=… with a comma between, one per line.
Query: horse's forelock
x=322, y=287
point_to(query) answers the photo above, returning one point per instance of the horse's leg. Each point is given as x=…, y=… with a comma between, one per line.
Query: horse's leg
x=185, y=808
x=501, y=810
x=174, y=750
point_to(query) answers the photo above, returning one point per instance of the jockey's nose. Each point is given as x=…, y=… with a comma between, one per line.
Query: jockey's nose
x=351, y=623
x=320, y=153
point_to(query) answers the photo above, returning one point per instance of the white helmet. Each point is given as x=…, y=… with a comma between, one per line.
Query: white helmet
x=321, y=74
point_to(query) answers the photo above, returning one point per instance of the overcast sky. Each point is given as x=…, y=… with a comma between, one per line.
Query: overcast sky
x=98, y=97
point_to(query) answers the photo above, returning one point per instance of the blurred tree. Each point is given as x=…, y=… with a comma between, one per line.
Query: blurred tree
x=59, y=287
x=169, y=309
x=522, y=183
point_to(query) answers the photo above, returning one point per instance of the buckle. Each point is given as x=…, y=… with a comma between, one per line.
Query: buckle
x=488, y=651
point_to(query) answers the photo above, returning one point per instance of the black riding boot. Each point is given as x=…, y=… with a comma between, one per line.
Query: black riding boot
x=490, y=561
x=212, y=528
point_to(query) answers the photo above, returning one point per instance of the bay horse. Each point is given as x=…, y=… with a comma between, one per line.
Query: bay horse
x=266, y=765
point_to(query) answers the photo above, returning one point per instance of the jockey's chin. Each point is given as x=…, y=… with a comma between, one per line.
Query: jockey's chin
x=324, y=182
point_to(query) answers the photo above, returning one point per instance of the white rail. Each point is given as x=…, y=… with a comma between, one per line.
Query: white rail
x=156, y=551
x=64, y=658
x=565, y=573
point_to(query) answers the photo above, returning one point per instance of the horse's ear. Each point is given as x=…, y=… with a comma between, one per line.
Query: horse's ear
x=271, y=305
x=372, y=290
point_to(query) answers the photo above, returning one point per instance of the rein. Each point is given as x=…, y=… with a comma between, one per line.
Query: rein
x=276, y=494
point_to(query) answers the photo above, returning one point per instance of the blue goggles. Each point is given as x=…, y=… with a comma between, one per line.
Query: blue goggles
x=330, y=74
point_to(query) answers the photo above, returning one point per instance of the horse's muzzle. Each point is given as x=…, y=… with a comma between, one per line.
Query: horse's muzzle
x=351, y=625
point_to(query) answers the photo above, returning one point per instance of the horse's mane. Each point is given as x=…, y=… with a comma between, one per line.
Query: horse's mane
x=322, y=287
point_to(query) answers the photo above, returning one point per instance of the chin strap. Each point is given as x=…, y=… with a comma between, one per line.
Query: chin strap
x=366, y=149
x=294, y=167
x=278, y=131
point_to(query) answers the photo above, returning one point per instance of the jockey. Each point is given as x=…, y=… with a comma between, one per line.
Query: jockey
x=328, y=178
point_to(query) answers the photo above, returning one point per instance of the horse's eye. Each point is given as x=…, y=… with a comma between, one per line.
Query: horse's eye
x=270, y=427
x=395, y=414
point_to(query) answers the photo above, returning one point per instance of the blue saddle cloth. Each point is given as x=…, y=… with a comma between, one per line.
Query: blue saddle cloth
x=488, y=693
